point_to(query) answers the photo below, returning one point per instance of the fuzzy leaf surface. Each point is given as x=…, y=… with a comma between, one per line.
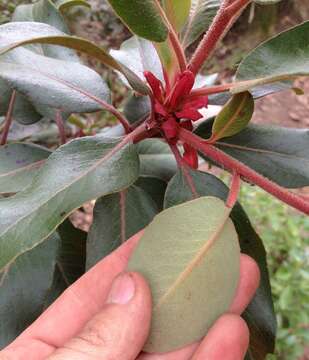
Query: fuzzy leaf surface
x=259, y=315
x=139, y=55
x=77, y=172
x=142, y=17
x=181, y=254
x=117, y=217
x=283, y=57
x=201, y=16
x=280, y=154
x=234, y=116
x=48, y=83
x=38, y=33
x=18, y=165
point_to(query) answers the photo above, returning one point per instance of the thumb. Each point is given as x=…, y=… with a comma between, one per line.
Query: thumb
x=120, y=330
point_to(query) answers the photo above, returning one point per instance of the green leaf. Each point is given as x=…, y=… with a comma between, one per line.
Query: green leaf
x=139, y=55
x=280, y=154
x=43, y=11
x=182, y=254
x=70, y=261
x=137, y=108
x=154, y=187
x=177, y=12
x=234, y=116
x=63, y=5
x=156, y=159
x=19, y=164
x=142, y=17
x=117, y=217
x=49, y=83
x=284, y=57
x=202, y=14
x=77, y=172
x=24, y=285
x=259, y=315
x=19, y=34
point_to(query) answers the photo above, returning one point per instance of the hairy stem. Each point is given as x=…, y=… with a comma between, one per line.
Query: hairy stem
x=231, y=164
x=234, y=190
x=61, y=128
x=8, y=119
x=225, y=16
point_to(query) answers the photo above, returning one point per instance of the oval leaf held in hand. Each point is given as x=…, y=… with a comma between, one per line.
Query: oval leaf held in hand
x=234, y=116
x=190, y=256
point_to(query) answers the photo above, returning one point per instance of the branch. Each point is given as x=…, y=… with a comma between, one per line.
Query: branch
x=61, y=128
x=179, y=51
x=243, y=170
x=227, y=13
x=234, y=190
x=8, y=119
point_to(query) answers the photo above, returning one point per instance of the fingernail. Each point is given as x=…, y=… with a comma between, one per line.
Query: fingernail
x=122, y=291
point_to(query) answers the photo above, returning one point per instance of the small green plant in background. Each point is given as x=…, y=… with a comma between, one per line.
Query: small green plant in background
x=286, y=238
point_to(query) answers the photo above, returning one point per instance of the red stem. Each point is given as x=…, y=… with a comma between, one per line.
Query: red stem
x=210, y=90
x=184, y=167
x=179, y=51
x=243, y=170
x=222, y=20
x=234, y=190
x=61, y=128
x=8, y=119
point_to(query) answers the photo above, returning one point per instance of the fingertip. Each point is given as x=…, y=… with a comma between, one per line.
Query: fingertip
x=228, y=339
x=248, y=283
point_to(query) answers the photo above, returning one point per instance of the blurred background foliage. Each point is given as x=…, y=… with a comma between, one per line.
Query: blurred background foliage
x=285, y=232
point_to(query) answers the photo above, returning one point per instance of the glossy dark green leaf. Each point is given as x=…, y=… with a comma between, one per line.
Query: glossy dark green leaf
x=142, y=17
x=154, y=187
x=177, y=12
x=201, y=16
x=70, y=261
x=234, y=116
x=37, y=33
x=182, y=254
x=24, y=285
x=281, y=58
x=156, y=159
x=259, y=315
x=18, y=165
x=280, y=154
x=117, y=217
x=77, y=172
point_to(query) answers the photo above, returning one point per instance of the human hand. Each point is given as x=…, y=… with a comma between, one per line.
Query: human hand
x=106, y=315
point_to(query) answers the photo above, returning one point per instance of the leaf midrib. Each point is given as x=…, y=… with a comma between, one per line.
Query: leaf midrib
x=262, y=151
x=93, y=167
x=194, y=262
x=22, y=169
